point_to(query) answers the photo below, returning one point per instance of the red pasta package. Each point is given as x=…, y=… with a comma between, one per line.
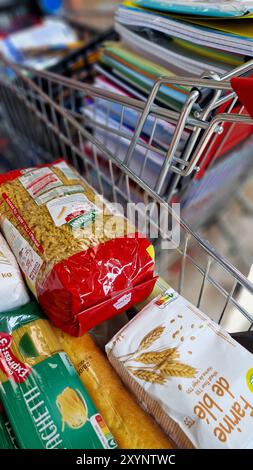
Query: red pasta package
x=84, y=262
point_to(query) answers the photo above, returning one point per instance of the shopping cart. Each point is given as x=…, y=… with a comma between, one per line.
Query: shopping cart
x=42, y=129
x=74, y=64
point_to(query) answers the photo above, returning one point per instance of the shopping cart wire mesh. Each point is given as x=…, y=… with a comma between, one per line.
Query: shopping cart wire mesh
x=49, y=116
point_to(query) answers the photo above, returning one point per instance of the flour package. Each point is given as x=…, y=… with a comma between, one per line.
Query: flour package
x=13, y=292
x=188, y=373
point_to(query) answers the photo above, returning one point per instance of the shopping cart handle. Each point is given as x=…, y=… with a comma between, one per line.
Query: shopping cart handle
x=243, y=86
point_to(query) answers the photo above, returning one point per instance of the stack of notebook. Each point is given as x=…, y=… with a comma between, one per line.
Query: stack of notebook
x=163, y=38
x=185, y=37
x=222, y=27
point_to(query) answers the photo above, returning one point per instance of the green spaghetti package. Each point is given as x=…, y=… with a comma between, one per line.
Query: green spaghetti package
x=45, y=402
x=7, y=439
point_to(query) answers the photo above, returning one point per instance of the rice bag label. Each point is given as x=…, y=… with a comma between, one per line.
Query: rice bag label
x=39, y=180
x=76, y=210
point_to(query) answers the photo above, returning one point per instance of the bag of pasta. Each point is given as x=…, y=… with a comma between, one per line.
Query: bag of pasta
x=83, y=262
x=46, y=404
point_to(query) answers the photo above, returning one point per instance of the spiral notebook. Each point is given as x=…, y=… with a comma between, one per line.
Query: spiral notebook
x=208, y=8
x=232, y=35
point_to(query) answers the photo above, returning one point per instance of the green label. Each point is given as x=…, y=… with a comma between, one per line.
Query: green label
x=52, y=410
x=83, y=220
x=11, y=321
x=7, y=439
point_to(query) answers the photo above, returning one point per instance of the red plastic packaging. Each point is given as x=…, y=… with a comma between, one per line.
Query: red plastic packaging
x=93, y=286
x=79, y=288
x=243, y=86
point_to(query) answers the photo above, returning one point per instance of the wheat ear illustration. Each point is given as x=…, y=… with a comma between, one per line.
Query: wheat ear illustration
x=157, y=357
x=148, y=375
x=158, y=365
x=147, y=341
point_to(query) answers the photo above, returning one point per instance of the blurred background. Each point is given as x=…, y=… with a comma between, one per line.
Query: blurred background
x=97, y=13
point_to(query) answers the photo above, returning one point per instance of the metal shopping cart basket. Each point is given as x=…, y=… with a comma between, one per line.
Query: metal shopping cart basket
x=140, y=163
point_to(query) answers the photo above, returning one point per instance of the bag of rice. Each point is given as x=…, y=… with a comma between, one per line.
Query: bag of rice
x=45, y=402
x=188, y=373
x=83, y=262
x=12, y=287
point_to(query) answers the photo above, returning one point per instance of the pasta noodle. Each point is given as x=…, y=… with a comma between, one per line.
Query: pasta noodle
x=83, y=262
x=72, y=408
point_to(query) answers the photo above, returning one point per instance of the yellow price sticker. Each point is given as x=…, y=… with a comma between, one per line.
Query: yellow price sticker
x=249, y=379
x=151, y=251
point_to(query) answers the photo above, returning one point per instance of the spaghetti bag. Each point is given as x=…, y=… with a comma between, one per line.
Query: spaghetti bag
x=188, y=373
x=43, y=397
x=83, y=262
x=13, y=292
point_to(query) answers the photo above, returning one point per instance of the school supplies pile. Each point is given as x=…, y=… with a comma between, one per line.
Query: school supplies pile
x=41, y=46
x=171, y=40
